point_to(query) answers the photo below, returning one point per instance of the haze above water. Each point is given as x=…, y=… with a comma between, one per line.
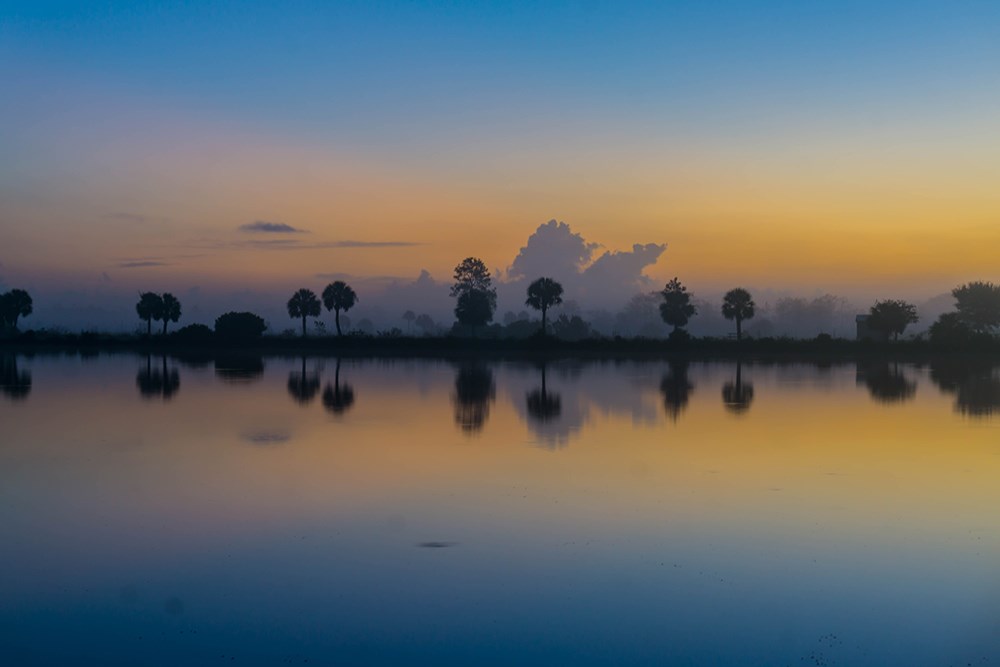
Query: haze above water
x=248, y=510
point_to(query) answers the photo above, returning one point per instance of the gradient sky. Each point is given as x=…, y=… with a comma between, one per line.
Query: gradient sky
x=781, y=145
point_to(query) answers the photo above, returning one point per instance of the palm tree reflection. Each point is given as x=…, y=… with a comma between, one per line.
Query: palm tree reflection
x=157, y=381
x=338, y=397
x=737, y=396
x=542, y=405
x=303, y=386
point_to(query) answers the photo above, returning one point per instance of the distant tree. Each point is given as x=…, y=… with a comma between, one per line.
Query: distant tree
x=950, y=329
x=338, y=296
x=477, y=298
x=676, y=308
x=738, y=305
x=978, y=304
x=149, y=308
x=892, y=316
x=542, y=295
x=425, y=323
x=409, y=316
x=13, y=305
x=571, y=328
x=236, y=326
x=304, y=304
x=171, y=310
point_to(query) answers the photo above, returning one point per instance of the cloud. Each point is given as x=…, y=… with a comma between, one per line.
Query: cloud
x=553, y=251
x=292, y=244
x=137, y=218
x=141, y=264
x=262, y=226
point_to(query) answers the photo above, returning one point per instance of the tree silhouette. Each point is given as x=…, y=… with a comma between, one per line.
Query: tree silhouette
x=477, y=299
x=676, y=388
x=542, y=405
x=171, y=310
x=474, y=391
x=425, y=323
x=978, y=304
x=302, y=386
x=409, y=316
x=239, y=326
x=892, y=316
x=340, y=397
x=737, y=396
x=13, y=305
x=149, y=308
x=338, y=296
x=676, y=308
x=14, y=384
x=886, y=382
x=304, y=304
x=975, y=385
x=236, y=368
x=738, y=305
x=542, y=295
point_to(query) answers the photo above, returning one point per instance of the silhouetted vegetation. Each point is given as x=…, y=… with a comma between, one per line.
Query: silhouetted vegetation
x=239, y=326
x=542, y=295
x=891, y=317
x=886, y=382
x=171, y=310
x=676, y=308
x=339, y=397
x=15, y=383
x=149, y=308
x=737, y=396
x=474, y=391
x=304, y=304
x=338, y=296
x=676, y=388
x=477, y=298
x=738, y=305
x=14, y=305
x=978, y=305
x=194, y=333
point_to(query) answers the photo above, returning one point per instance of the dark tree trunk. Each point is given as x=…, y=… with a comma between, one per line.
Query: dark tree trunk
x=165, y=320
x=149, y=327
x=303, y=326
x=543, y=320
x=739, y=329
x=336, y=318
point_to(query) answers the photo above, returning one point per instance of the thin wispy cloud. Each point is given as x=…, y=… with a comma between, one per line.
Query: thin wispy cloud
x=264, y=227
x=141, y=264
x=137, y=218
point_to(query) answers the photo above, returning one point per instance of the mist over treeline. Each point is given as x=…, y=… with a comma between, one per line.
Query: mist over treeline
x=607, y=289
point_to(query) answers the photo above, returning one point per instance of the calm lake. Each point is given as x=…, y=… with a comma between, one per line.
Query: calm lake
x=264, y=511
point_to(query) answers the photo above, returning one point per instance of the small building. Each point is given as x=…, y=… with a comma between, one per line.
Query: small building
x=867, y=332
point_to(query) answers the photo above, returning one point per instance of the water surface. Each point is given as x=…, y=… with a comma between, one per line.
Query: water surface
x=247, y=510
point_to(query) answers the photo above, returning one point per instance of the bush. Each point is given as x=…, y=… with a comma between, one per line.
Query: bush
x=240, y=326
x=194, y=333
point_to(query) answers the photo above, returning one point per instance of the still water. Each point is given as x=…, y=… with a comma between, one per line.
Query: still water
x=264, y=511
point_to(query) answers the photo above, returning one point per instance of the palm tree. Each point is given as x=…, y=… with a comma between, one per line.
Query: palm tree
x=738, y=305
x=149, y=308
x=171, y=310
x=338, y=296
x=303, y=304
x=543, y=294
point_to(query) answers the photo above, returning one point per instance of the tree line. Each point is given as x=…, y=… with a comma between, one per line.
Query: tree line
x=976, y=314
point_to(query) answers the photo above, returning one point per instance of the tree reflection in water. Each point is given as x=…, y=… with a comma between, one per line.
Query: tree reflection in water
x=15, y=383
x=974, y=383
x=474, y=391
x=543, y=406
x=676, y=388
x=886, y=382
x=737, y=396
x=157, y=381
x=303, y=386
x=338, y=397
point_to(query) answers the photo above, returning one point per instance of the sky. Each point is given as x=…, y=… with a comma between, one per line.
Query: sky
x=252, y=148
